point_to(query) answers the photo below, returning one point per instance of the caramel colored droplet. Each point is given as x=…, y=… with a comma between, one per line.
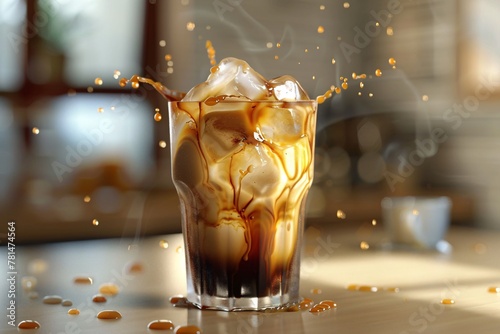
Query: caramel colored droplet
x=346, y=5
x=161, y=325
x=341, y=214
x=110, y=289
x=73, y=311
x=374, y=222
x=306, y=303
x=393, y=289
x=83, y=280
x=28, y=324
x=123, y=82
x=390, y=31
x=447, y=301
x=367, y=288
x=109, y=315
x=364, y=245
x=174, y=300
x=333, y=61
x=392, y=61
x=157, y=117
x=321, y=29
x=162, y=143
x=293, y=308
x=316, y=291
x=98, y=81
x=99, y=299
x=135, y=84
x=319, y=308
x=100, y=110
x=135, y=267
x=66, y=302
x=163, y=244
x=190, y=26
x=52, y=300
x=338, y=90
x=425, y=98
x=116, y=74
x=168, y=57
x=494, y=289
x=328, y=302
x=189, y=329
x=95, y=222
x=378, y=72
x=352, y=287
x=87, y=199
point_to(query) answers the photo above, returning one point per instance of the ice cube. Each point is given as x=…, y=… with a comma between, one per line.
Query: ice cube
x=286, y=88
x=231, y=77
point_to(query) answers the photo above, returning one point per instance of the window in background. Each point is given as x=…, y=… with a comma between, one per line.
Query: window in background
x=12, y=43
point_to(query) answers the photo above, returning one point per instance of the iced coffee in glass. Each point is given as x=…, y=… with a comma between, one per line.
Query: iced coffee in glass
x=242, y=164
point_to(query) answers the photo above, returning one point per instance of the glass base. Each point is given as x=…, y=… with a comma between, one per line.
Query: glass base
x=205, y=302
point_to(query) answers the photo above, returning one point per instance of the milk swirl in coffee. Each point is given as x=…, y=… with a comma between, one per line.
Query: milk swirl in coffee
x=242, y=163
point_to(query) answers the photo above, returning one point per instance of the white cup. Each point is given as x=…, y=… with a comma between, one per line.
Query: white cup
x=421, y=222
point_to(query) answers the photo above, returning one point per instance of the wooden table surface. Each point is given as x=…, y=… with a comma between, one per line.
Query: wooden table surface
x=332, y=261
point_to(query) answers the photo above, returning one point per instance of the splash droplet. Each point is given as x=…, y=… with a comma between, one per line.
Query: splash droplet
x=109, y=315
x=100, y=110
x=99, y=299
x=110, y=289
x=188, y=329
x=190, y=26
x=447, y=301
x=73, y=311
x=341, y=214
x=162, y=143
x=35, y=130
x=52, y=300
x=364, y=245
x=163, y=244
x=346, y=5
x=28, y=324
x=494, y=289
x=321, y=29
x=66, y=302
x=161, y=325
x=116, y=74
x=157, y=117
x=316, y=291
x=378, y=72
x=83, y=280
x=392, y=61
x=95, y=222
x=87, y=199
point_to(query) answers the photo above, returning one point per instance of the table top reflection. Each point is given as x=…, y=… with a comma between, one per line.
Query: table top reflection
x=376, y=289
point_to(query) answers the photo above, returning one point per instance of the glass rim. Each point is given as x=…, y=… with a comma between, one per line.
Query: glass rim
x=247, y=101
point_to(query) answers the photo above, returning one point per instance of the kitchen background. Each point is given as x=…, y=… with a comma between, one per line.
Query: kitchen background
x=82, y=157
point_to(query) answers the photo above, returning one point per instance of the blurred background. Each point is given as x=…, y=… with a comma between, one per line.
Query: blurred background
x=82, y=157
